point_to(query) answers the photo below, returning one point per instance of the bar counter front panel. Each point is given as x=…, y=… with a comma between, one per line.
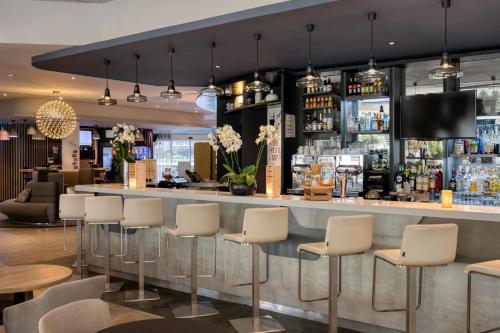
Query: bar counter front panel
x=444, y=289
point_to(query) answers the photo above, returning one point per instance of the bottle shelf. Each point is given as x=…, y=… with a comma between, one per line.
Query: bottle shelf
x=474, y=155
x=321, y=93
x=250, y=106
x=322, y=131
x=318, y=108
x=364, y=97
x=367, y=132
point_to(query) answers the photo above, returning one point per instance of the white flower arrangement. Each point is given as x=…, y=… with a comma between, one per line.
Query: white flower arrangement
x=226, y=140
x=124, y=134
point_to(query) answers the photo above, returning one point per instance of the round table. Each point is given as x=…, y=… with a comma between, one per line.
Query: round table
x=171, y=325
x=21, y=280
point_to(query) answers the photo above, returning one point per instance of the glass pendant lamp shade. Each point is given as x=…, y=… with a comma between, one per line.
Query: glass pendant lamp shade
x=371, y=73
x=31, y=130
x=257, y=84
x=310, y=80
x=171, y=93
x=211, y=90
x=136, y=96
x=106, y=99
x=446, y=69
x=95, y=135
x=139, y=136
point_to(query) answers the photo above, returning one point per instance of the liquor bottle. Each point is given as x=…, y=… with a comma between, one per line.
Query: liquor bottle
x=419, y=180
x=425, y=179
x=412, y=177
x=452, y=184
x=432, y=184
x=358, y=88
x=314, y=122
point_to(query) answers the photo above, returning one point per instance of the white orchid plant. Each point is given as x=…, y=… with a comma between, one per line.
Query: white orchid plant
x=228, y=142
x=124, y=138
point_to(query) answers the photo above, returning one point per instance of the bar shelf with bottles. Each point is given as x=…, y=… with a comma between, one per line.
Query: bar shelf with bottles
x=321, y=108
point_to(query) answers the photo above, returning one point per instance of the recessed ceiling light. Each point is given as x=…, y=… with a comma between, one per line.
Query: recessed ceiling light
x=217, y=66
x=196, y=111
x=4, y=94
x=392, y=43
x=73, y=78
x=157, y=106
x=11, y=75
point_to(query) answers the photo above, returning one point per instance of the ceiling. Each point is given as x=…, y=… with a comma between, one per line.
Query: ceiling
x=32, y=82
x=341, y=39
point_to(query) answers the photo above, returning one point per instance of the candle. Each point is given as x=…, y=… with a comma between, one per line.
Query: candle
x=446, y=198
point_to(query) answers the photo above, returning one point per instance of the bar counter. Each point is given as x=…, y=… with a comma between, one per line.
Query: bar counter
x=444, y=289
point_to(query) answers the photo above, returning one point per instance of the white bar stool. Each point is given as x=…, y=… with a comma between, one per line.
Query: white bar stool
x=72, y=208
x=345, y=235
x=260, y=226
x=421, y=246
x=195, y=221
x=487, y=268
x=139, y=215
x=104, y=210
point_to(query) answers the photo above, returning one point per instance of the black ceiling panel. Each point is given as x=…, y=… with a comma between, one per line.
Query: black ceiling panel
x=341, y=38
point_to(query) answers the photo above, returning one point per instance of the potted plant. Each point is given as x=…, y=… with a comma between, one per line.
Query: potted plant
x=241, y=179
x=124, y=138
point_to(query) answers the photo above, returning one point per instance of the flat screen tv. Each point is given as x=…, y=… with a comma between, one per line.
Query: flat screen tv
x=439, y=116
x=85, y=138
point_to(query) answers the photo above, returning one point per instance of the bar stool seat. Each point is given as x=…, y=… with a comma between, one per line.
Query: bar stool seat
x=261, y=226
x=141, y=214
x=390, y=255
x=491, y=267
x=487, y=268
x=104, y=211
x=422, y=246
x=72, y=208
x=195, y=221
x=345, y=235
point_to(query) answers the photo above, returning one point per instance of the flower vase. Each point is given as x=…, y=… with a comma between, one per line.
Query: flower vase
x=242, y=189
x=124, y=173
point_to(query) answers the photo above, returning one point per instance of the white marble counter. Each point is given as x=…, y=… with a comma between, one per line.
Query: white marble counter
x=361, y=205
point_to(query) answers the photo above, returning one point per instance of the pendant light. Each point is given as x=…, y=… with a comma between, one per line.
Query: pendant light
x=212, y=90
x=4, y=134
x=310, y=80
x=446, y=69
x=106, y=99
x=372, y=73
x=31, y=130
x=38, y=136
x=257, y=84
x=139, y=136
x=13, y=133
x=136, y=96
x=171, y=93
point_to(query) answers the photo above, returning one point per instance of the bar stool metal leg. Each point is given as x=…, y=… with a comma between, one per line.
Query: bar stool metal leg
x=256, y=323
x=469, y=301
x=194, y=309
x=109, y=286
x=333, y=295
x=411, y=299
x=79, y=258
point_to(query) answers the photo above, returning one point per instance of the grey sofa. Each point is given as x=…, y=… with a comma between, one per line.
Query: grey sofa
x=42, y=206
x=24, y=317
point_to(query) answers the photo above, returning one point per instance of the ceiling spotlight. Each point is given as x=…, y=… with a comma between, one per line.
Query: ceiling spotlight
x=11, y=75
x=217, y=66
x=311, y=80
x=73, y=78
x=106, y=99
x=4, y=94
x=171, y=93
x=392, y=43
x=136, y=96
x=446, y=69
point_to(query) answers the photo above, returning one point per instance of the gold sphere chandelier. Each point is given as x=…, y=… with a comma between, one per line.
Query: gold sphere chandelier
x=56, y=119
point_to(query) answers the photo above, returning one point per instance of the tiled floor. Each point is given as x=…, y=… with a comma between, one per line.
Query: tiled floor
x=23, y=245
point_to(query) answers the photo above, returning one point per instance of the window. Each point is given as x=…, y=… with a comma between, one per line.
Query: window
x=169, y=150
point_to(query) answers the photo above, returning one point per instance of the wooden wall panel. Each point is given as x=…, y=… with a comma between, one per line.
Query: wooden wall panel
x=19, y=153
